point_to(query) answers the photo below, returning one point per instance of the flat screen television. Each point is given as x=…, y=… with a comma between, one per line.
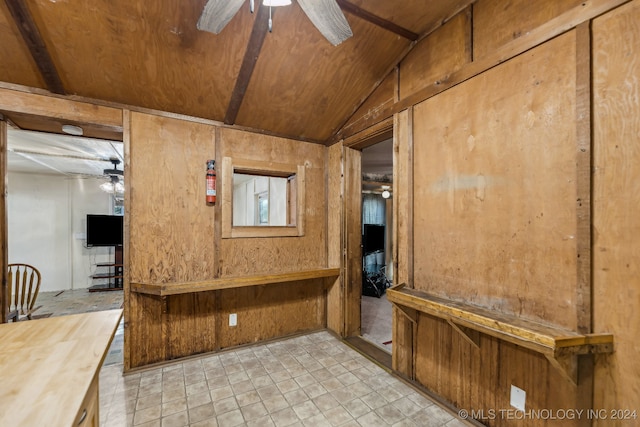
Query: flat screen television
x=373, y=238
x=104, y=230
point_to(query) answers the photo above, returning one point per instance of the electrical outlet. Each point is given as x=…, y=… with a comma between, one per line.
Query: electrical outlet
x=233, y=319
x=518, y=397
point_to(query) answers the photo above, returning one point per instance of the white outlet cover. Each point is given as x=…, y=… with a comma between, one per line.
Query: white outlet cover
x=233, y=319
x=518, y=397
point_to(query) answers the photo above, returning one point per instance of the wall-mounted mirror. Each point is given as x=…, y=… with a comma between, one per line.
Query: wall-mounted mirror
x=262, y=199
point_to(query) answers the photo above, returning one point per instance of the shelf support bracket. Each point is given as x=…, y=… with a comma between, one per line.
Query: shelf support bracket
x=469, y=335
x=567, y=365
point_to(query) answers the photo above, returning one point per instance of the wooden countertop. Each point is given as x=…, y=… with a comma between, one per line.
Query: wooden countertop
x=47, y=366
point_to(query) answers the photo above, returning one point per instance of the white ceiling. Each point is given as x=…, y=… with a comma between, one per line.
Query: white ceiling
x=45, y=153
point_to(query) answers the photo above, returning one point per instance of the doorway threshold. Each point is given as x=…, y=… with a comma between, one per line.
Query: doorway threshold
x=370, y=350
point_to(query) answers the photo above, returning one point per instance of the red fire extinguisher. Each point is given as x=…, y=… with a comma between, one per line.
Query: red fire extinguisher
x=211, y=182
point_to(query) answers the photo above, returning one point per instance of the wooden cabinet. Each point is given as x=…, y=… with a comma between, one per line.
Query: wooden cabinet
x=88, y=415
x=49, y=369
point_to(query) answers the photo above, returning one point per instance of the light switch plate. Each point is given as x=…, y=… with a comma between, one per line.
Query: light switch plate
x=233, y=319
x=518, y=397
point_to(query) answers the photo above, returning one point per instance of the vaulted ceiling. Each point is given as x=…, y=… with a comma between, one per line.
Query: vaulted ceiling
x=290, y=82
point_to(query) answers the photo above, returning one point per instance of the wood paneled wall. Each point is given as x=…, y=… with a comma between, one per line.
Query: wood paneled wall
x=495, y=185
x=519, y=200
x=171, y=238
x=335, y=236
x=174, y=237
x=280, y=254
x=4, y=255
x=616, y=194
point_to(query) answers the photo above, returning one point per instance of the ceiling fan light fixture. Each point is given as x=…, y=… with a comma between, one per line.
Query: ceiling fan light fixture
x=275, y=3
x=114, y=186
x=72, y=130
x=107, y=187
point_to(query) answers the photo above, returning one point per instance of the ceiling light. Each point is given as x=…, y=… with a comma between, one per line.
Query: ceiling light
x=107, y=187
x=270, y=4
x=112, y=186
x=275, y=3
x=72, y=130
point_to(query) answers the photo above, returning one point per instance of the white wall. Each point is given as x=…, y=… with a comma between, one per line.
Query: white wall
x=46, y=216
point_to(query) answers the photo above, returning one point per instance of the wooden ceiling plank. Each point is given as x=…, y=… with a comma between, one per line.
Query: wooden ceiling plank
x=376, y=20
x=33, y=39
x=258, y=34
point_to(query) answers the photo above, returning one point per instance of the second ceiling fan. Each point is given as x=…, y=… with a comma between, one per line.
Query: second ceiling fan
x=324, y=14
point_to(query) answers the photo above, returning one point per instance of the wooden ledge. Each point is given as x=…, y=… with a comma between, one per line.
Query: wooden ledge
x=166, y=289
x=559, y=346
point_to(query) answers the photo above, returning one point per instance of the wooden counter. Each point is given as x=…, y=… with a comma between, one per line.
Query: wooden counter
x=49, y=369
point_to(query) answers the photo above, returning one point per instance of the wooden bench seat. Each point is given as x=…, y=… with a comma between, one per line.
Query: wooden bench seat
x=560, y=346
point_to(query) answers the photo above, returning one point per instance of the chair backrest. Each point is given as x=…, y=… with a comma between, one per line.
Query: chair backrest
x=24, y=285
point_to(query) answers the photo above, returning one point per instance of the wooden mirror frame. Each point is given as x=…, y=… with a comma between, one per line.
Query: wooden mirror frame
x=253, y=167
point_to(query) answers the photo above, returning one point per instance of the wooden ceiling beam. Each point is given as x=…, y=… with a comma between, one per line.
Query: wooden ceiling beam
x=376, y=20
x=33, y=39
x=258, y=34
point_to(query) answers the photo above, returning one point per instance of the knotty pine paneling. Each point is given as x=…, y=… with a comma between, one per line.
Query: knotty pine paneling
x=616, y=197
x=495, y=192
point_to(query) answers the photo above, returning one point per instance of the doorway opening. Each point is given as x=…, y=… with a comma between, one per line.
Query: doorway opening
x=55, y=183
x=377, y=244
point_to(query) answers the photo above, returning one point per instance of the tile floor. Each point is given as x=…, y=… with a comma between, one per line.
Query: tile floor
x=376, y=321
x=308, y=380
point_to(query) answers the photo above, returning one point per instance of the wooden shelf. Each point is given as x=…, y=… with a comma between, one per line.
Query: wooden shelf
x=165, y=289
x=107, y=276
x=559, y=346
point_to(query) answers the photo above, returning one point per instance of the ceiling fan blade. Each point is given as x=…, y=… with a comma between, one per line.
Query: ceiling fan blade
x=328, y=19
x=217, y=14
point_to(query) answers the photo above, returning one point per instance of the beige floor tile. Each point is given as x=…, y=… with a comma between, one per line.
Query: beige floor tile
x=309, y=380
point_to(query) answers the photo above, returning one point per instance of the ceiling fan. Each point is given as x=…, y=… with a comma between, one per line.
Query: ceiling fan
x=116, y=176
x=324, y=14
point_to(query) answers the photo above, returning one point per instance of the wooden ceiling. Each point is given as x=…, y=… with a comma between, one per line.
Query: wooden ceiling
x=290, y=82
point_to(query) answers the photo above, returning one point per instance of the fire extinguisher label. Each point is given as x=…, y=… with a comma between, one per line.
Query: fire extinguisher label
x=211, y=191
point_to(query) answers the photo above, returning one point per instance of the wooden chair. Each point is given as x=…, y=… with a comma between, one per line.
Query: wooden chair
x=24, y=284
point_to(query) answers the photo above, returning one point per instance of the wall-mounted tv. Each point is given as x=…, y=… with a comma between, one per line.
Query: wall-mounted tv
x=104, y=230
